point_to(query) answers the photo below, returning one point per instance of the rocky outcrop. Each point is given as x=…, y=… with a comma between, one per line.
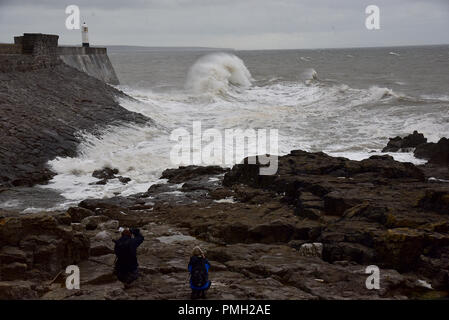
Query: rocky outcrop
x=411, y=141
x=42, y=112
x=308, y=232
x=35, y=248
x=376, y=211
x=182, y=174
x=107, y=174
x=435, y=153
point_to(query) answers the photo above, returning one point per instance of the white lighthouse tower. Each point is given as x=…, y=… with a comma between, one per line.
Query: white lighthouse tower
x=84, y=35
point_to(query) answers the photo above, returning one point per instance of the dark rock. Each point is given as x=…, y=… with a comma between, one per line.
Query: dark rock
x=183, y=174
x=436, y=153
x=38, y=242
x=336, y=203
x=49, y=129
x=105, y=173
x=9, y=254
x=91, y=223
x=340, y=251
x=116, y=202
x=436, y=201
x=12, y=271
x=124, y=180
x=100, y=182
x=17, y=290
x=78, y=213
x=101, y=248
x=411, y=141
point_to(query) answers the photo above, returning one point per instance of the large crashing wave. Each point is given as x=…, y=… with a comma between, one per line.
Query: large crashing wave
x=309, y=75
x=216, y=73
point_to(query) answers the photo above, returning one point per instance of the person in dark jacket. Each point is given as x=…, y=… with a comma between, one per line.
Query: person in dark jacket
x=126, y=266
x=199, y=274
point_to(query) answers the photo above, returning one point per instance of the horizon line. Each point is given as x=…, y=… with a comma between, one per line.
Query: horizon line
x=273, y=49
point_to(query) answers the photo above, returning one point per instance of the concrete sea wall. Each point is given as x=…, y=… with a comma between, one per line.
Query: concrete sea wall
x=93, y=61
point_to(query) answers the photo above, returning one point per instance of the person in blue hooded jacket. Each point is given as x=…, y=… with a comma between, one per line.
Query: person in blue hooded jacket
x=199, y=274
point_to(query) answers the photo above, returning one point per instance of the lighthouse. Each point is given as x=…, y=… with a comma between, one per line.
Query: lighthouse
x=84, y=35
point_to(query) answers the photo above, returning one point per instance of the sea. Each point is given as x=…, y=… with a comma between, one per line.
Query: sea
x=344, y=102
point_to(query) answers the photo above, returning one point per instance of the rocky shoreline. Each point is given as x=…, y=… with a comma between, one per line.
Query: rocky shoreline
x=42, y=113
x=308, y=232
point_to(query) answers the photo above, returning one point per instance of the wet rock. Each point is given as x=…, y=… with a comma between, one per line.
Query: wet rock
x=436, y=268
x=111, y=203
x=36, y=247
x=103, y=235
x=263, y=243
x=435, y=153
x=78, y=213
x=348, y=251
x=401, y=248
x=337, y=202
x=311, y=250
x=9, y=254
x=98, y=270
x=124, y=180
x=12, y=271
x=273, y=232
x=183, y=174
x=91, y=223
x=101, y=248
x=435, y=200
x=50, y=128
x=105, y=173
x=77, y=226
x=316, y=172
x=411, y=141
x=109, y=225
x=17, y=290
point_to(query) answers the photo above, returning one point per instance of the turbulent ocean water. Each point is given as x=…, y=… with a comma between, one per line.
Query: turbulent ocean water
x=345, y=102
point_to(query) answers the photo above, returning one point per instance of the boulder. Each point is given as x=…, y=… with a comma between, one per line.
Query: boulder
x=411, y=141
x=435, y=200
x=109, y=225
x=78, y=213
x=91, y=223
x=97, y=270
x=103, y=236
x=105, y=173
x=37, y=241
x=111, y=203
x=183, y=174
x=435, y=153
x=314, y=249
x=400, y=248
x=9, y=254
x=337, y=202
x=12, y=271
x=101, y=248
x=17, y=290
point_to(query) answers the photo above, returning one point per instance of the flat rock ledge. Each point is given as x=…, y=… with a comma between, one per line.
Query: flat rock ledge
x=308, y=232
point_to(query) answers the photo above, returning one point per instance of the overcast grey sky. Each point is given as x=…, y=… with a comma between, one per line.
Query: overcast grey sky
x=242, y=24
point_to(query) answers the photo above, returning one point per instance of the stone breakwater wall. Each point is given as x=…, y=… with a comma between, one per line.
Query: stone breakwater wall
x=34, y=51
x=44, y=104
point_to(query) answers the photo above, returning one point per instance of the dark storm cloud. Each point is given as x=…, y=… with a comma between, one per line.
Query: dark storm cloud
x=231, y=23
